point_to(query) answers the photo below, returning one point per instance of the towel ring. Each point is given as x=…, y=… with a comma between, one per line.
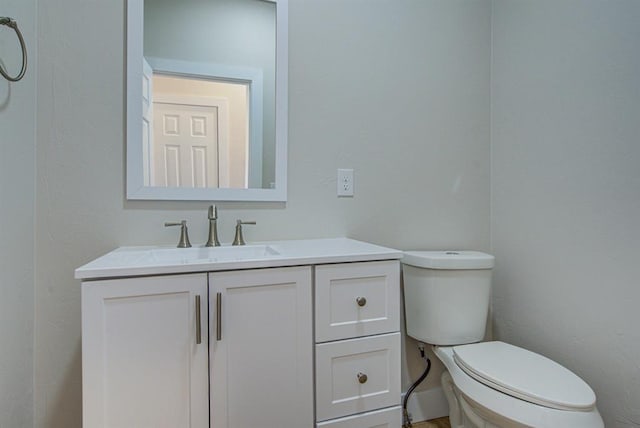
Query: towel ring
x=9, y=22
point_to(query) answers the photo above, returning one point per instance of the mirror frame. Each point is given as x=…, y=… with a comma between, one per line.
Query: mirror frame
x=135, y=188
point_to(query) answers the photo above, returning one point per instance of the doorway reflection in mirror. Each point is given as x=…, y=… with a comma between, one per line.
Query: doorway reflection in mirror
x=199, y=136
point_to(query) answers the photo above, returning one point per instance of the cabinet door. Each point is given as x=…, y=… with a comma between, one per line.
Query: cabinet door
x=143, y=364
x=261, y=349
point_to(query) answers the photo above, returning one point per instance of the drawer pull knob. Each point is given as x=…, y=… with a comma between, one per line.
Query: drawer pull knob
x=361, y=301
x=362, y=378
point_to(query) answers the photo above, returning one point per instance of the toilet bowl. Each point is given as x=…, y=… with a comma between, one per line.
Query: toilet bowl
x=487, y=384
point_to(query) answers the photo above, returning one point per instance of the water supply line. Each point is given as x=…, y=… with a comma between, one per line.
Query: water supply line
x=406, y=421
x=11, y=23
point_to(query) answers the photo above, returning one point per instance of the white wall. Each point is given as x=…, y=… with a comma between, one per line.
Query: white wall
x=566, y=189
x=17, y=196
x=397, y=90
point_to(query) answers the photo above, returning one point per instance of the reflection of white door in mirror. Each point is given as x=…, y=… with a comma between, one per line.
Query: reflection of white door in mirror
x=185, y=145
x=239, y=42
x=231, y=132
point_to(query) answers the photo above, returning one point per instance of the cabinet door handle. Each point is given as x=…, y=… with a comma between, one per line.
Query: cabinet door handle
x=198, y=321
x=218, y=316
x=361, y=301
x=362, y=378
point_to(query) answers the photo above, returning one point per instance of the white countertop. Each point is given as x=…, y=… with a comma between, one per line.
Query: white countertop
x=158, y=260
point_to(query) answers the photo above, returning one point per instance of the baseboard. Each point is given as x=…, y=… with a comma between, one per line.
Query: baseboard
x=428, y=404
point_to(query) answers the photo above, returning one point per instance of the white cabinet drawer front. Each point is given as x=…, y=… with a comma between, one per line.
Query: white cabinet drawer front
x=340, y=366
x=385, y=418
x=357, y=299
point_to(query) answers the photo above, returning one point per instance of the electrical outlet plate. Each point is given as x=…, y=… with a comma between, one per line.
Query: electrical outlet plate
x=345, y=182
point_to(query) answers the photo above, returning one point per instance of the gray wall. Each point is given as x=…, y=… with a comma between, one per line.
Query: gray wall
x=17, y=199
x=566, y=189
x=399, y=91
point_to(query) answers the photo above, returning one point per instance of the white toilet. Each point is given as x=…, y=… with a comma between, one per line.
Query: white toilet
x=489, y=384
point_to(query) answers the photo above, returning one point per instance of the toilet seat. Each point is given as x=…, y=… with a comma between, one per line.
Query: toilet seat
x=523, y=413
x=524, y=375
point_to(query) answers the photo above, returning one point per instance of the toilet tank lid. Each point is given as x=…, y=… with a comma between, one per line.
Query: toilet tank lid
x=448, y=259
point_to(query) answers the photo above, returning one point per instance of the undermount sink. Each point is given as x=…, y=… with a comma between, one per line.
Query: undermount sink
x=211, y=254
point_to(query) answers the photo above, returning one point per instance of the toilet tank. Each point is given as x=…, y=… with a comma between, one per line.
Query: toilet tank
x=446, y=295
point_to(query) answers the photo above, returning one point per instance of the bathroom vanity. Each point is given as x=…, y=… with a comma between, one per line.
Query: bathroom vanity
x=281, y=334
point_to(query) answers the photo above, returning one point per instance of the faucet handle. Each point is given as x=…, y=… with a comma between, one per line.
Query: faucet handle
x=184, y=233
x=239, y=239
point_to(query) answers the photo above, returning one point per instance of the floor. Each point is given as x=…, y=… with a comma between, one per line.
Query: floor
x=434, y=423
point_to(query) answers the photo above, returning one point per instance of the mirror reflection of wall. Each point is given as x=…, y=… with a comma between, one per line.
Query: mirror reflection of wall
x=225, y=34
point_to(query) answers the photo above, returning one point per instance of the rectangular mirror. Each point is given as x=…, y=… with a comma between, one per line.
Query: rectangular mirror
x=207, y=100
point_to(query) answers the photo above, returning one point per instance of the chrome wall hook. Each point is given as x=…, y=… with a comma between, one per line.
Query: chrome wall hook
x=10, y=22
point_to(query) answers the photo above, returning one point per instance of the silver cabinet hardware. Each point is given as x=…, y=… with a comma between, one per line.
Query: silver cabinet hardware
x=184, y=233
x=218, y=316
x=239, y=239
x=362, y=378
x=198, y=321
x=361, y=301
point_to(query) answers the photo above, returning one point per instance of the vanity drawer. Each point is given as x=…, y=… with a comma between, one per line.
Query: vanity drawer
x=357, y=375
x=385, y=418
x=357, y=299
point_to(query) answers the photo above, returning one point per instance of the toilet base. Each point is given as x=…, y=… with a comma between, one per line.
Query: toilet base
x=465, y=413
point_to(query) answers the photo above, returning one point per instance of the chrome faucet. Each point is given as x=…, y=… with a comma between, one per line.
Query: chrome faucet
x=239, y=239
x=184, y=234
x=213, y=227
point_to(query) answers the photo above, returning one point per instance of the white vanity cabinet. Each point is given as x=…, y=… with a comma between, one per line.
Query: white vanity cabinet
x=261, y=347
x=225, y=337
x=145, y=352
